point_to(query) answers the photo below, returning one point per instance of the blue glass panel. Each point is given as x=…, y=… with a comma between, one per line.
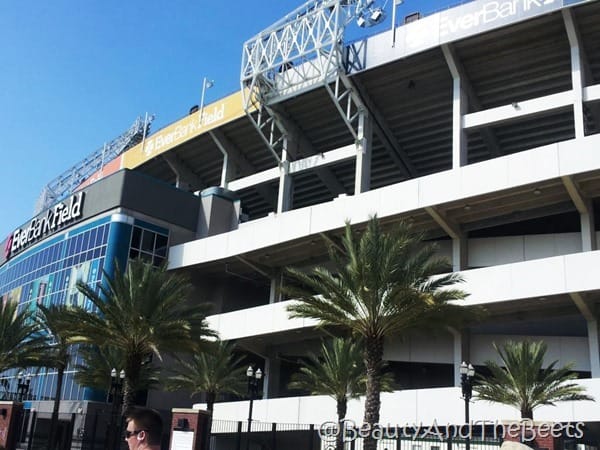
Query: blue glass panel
x=85, y=241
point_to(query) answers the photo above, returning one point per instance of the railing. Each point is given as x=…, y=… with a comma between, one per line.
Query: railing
x=92, y=430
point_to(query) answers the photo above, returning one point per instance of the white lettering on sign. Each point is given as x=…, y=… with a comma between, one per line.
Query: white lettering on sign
x=489, y=12
x=161, y=141
x=53, y=220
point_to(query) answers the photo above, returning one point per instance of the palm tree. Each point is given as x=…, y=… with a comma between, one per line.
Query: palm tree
x=523, y=383
x=21, y=342
x=98, y=362
x=58, y=353
x=214, y=371
x=142, y=310
x=381, y=284
x=338, y=371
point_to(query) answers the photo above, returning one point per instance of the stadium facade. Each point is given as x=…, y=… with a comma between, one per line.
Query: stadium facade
x=479, y=124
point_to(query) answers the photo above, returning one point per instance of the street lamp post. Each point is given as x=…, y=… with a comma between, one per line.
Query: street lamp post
x=467, y=372
x=116, y=389
x=23, y=382
x=254, y=379
x=206, y=84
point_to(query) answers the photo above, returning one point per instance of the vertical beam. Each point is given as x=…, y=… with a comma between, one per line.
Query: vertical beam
x=592, y=329
x=275, y=288
x=271, y=382
x=460, y=353
x=576, y=72
x=459, y=108
x=459, y=136
x=459, y=253
x=594, y=347
x=284, y=195
x=588, y=228
x=585, y=207
x=227, y=172
x=362, y=177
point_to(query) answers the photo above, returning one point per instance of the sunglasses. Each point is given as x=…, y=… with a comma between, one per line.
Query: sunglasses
x=128, y=433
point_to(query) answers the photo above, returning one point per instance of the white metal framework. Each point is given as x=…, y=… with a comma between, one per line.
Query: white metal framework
x=297, y=53
x=63, y=185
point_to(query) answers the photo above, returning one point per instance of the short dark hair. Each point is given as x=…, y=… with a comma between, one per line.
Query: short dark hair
x=148, y=420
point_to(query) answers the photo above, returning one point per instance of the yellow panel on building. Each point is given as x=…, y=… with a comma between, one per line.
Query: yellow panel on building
x=213, y=115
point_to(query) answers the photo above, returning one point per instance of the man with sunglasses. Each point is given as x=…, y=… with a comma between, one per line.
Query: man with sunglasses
x=144, y=429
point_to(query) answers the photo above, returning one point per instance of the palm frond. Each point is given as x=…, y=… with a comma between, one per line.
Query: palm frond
x=523, y=382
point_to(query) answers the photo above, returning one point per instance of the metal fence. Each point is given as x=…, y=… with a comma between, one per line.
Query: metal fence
x=96, y=430
x=232, y=435
x=100, y=430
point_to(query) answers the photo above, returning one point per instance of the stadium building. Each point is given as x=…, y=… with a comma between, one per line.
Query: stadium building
x=479, y=124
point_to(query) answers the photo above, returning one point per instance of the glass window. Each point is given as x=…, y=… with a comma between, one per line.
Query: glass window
x=99, y=232
x=93, y=233
x=78, y=242
x=86, y=241
x=148, y=241
x=161, y=245
x=136, y=237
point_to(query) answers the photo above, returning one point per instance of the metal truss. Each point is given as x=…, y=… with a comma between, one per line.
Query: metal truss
x=301, y=51
x=63, y=185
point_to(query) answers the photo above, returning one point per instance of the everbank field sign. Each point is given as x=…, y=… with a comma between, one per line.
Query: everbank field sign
x=484, y=13
x=466, y=20
x=54, y=219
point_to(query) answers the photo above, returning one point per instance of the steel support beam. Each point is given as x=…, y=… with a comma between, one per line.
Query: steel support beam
x=585, y=208
x=233, y=156
x=382, y=129
x=464, y=94
x=592, y=328
x=183, y=174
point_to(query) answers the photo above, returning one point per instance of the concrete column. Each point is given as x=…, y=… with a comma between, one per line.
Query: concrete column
x=576, y=73
x=588, y=228
x=459, y=137
x=275, y=289
x=594, y=347
x=272, y=371
x=284, y=195
x=227, y=172
x=459, y=253
x=462, y=351
x=362, y=177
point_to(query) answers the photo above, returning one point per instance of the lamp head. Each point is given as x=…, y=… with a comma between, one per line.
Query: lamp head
x=113, y=373
x=122, y=374
x=463, y=368
x=250, y=372
x=258, y=374
x=376, y=16
x=470, y=371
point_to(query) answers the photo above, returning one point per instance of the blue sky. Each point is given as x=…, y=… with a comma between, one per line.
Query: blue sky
x=76, y=74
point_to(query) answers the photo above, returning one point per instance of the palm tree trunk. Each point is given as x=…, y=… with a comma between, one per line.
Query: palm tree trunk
x=56, y=408
x=210, y=403
x=373, y=361
x=130, y=384
x=526, y=413
x=342, y=406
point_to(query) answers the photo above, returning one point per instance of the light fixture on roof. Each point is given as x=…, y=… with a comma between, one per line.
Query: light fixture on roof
x=376, y=16
x=367, y=14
